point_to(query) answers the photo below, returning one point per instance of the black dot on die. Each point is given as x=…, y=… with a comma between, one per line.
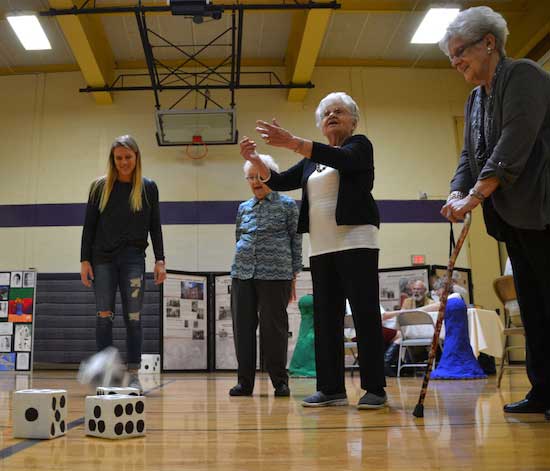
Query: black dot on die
x=146, y=367
x=111, y=392
x=129, y=427
x=139, y=407
x=91, y=425
x=129, y=409
x=133, y=394
x=62, y=402
x=119, y=428
x=62, y=426
x=101, y=426
x=31, y=414
x=54, y=403
x=52, y=430
x=140, y=426
x=97, y=412
x=57, y=416
x=118, y=410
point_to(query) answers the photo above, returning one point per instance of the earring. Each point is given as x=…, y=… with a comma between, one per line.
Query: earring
x=489, y=51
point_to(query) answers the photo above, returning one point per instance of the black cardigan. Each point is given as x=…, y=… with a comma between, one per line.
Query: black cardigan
x=354, y=162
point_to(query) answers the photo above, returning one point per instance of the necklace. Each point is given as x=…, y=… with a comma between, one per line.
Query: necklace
x=320, y=167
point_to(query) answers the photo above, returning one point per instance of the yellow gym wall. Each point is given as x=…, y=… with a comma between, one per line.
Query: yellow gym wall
x=55, y=141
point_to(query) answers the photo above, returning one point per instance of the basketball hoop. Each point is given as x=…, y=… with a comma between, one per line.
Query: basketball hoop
x=197, y=149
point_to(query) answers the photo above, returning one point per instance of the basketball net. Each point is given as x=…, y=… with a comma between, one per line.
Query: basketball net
x=197, y=149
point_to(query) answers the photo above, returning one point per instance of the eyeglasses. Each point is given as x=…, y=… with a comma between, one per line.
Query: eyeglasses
x=255, y=178
x=462, y=49
x=335, y=112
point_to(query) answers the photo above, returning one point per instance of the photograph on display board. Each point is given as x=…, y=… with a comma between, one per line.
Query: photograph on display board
x=23, y=361
x=22, y=338
x=184, y=302
x=20, y=304
x=396, y=284
x=7, y=361
x=6, y=328
x=3, y=310
x=192, y=290
x=28, y=279
x=5, y=343
x=225, y=346
x=16, y=280
x=4, y=285
x=461, y=282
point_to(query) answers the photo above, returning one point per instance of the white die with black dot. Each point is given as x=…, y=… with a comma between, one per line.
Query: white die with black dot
x=150, y=363
x=39, y=413
x=115, y=416
x=104, y=391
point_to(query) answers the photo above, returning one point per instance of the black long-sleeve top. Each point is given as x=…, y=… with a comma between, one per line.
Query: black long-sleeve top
x=106, y=233
x=354, y=161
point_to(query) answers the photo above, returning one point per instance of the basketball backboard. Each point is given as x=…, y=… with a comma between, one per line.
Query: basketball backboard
x=179, y=127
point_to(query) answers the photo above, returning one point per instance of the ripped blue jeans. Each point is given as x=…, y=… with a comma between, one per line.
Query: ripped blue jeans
x=126, y=271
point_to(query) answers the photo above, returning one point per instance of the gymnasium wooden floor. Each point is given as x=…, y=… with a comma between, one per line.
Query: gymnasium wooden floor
x=193, y=424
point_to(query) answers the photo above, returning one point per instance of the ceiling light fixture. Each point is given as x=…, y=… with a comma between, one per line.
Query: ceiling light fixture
x=29, y=31
x=434, y=25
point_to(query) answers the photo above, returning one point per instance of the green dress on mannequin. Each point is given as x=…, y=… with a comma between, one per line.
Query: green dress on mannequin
x=303, y=359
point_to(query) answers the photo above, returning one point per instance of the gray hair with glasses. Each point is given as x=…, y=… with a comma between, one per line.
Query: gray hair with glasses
x=266, y=159
x=473, y=24
x=331, y=99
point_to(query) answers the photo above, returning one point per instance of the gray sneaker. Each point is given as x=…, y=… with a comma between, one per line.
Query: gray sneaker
x=134, y=382
x=372, y=401
x=319, y=399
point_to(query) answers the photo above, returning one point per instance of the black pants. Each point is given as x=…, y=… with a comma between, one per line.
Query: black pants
x=351, y=274
x=529, y=253
x=269, y=299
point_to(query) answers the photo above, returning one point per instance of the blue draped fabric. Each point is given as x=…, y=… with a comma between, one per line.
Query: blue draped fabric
x=458, y=360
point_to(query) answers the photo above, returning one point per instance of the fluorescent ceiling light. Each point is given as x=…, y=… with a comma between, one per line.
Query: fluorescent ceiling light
x=434, y=25
x=29, y=32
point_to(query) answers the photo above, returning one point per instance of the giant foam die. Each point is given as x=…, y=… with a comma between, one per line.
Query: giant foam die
x=150, y=363
x=115, y=416
x=39, y=413
x=104, y=391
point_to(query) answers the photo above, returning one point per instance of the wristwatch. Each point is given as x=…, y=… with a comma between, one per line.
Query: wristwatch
x=476, y=194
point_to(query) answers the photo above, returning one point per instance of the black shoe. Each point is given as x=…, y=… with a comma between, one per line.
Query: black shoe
x=319, y=399
x=526, y=406
x=238, y=390
x=391, y=357
x=282, y=390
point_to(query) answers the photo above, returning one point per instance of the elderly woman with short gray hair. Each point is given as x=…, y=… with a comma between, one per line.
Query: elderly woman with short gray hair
x=505, y=166
x=342, y=219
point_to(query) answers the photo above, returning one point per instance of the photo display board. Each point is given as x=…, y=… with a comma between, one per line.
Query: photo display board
x=396, y=283
x=17, y=301
x=184, y=322
x=225, y=346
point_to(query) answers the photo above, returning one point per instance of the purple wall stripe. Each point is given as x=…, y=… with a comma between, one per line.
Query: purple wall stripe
x=197, y=212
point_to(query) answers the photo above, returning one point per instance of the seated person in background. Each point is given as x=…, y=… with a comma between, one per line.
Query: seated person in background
x=419, y=296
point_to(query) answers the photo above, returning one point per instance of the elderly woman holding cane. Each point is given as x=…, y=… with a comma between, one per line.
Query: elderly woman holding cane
x=342, y=219
x=505, y=166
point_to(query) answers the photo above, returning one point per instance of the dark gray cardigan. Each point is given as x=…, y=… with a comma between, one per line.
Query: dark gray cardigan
x=354, y=161
x=518, y=144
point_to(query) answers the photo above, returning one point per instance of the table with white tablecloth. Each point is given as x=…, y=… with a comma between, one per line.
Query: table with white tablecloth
x=484, y=328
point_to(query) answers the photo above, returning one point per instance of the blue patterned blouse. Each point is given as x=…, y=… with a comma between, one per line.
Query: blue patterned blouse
x=268, y=246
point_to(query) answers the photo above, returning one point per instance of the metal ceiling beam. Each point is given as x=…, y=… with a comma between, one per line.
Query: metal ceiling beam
x=155, y=8
x=90, y=47
x=304, y=44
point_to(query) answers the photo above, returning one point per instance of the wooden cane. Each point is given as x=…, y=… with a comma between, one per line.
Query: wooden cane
x=419, y=409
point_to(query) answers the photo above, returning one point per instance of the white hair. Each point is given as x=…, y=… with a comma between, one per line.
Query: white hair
x=473, y=24
x=266, y=159
x=331, y=99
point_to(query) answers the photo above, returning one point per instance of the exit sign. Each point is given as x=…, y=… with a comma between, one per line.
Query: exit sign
x=418, y=260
